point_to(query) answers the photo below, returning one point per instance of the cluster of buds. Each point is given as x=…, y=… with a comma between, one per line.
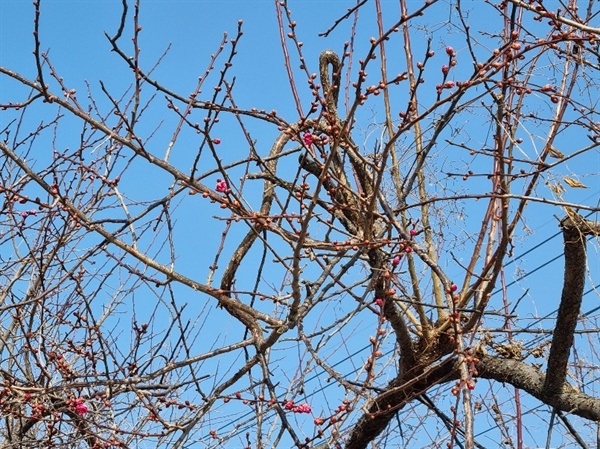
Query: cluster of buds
x=299, y=408
x=37, y=410
x=78, y=405
x=468, y=383
x=27, y=213
x=447, y=84
x=471, y=361
x=60, y=362
x=287, y=404
x=404, y=248
x=342, y=409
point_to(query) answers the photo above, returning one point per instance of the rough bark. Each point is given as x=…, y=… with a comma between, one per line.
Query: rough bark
x=531, y=380
x=575, y=229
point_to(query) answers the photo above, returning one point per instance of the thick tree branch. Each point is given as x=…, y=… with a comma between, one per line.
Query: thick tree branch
x=575, y=228
x=531, y=380
x=396, y=395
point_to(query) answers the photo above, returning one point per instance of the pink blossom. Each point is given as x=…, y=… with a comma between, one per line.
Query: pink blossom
x=396, y=260
x=450, y=51
x=308, y=139
x=221, y=186
x=79, y=406
x=445, y=69
x=289, y=405
x=413, y=232
x=379, y=302
x=303, y=408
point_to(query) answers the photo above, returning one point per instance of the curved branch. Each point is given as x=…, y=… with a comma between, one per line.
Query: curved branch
x=574, y=228
x=330, y=90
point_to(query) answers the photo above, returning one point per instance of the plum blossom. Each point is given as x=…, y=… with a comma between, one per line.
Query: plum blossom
x=308, y=139
x=79, y=406
x=221, y=186
x=448, y=85
x=302, y=408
